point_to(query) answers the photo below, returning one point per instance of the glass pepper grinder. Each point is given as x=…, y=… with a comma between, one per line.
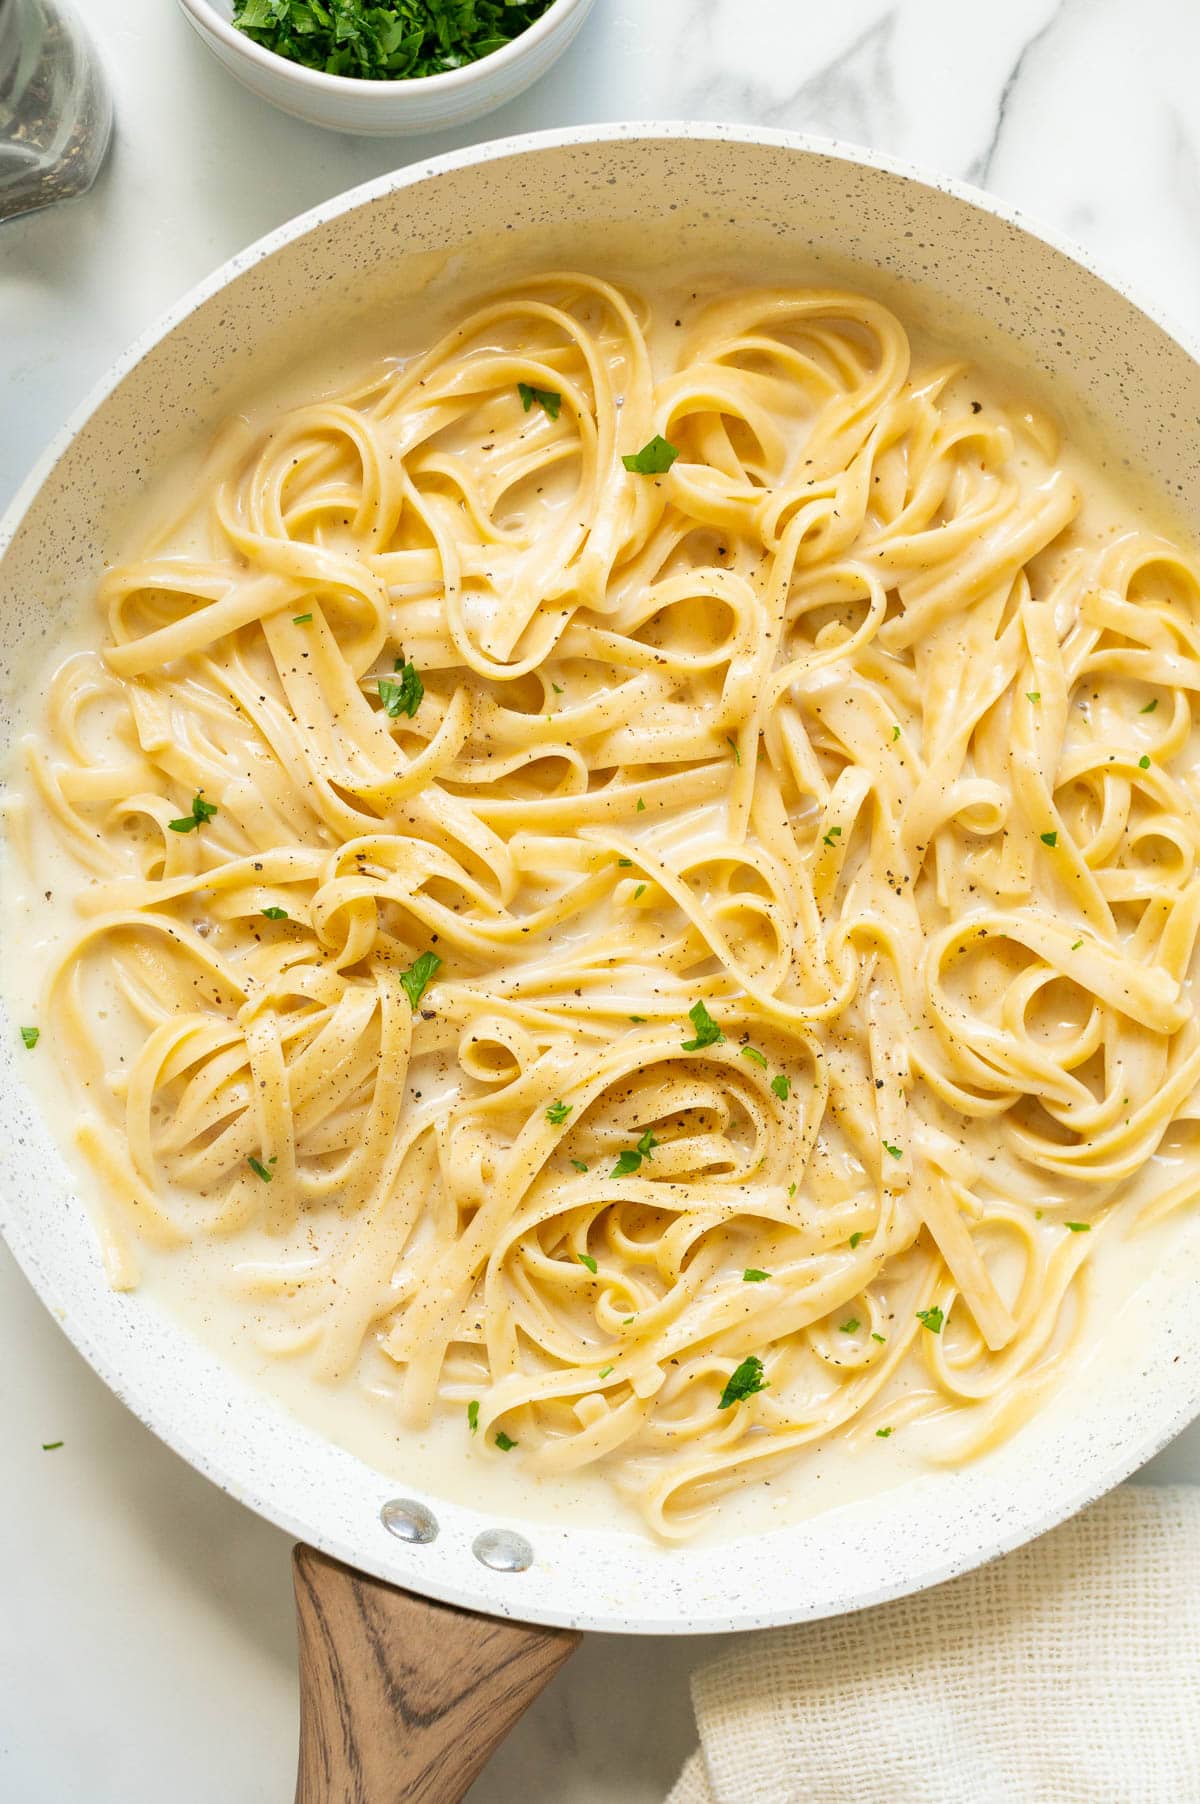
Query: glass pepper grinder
x=55, y=110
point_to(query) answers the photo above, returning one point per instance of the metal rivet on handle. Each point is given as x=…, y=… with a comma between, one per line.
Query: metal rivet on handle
x=502, y=1550
x=409, y=1520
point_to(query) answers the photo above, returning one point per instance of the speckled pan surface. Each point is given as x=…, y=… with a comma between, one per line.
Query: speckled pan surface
x=898, y=227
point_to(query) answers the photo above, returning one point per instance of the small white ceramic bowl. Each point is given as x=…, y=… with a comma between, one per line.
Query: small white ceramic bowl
x=389, y=108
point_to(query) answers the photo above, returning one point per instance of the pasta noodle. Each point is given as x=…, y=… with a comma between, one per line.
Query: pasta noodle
x=684, y=961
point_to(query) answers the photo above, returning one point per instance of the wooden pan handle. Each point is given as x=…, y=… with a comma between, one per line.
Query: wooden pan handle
x=402, y=1699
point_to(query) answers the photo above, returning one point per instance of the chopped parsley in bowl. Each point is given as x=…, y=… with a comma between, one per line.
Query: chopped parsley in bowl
x=393, y=41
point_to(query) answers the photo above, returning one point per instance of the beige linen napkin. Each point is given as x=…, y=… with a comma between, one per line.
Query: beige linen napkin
x=1066, y=1673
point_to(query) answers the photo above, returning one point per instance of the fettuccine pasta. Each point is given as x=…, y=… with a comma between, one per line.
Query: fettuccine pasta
x=654, y=860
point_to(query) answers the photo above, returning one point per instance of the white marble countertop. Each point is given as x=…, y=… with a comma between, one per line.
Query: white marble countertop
x=146, y=1640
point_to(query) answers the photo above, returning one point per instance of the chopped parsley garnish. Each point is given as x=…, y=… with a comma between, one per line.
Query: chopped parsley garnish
x=752, y=1052
x=782, y=1086
x=752, y=1275
x=880, y=1338
x=385, y=40
x=504, y=1443
x=1150, y=707
x=547, y=398
x=627, y=1163
x=850, y=1326
x=405, y=696
x=883, y=1433
x=1033, y=695
x=201, y=811
x=638, y=891
x=625, y=863
x=556, y=688
x=639, y=1018
x=276, y=914
x=895, y=1151
x=653, y=458
x=641, y=807
x=743, y=1382
x=1048, y=839
x=931, y=1318
x=418, y=976
x=301, y=619
x=647, y=1144
x=706, y=1030
x=1077, y=945
x=895, y=734
x=586, y=1259
x=731, y=741
x=855, y=1238
x=473, y=1415
x=1080, y=1227
x=558, y=1112
x=791, y=1190
x=260, y=1170
x=1143, y=762
x=833, y=834
x=51, y=1446
x=31, y=1036
x=580, y=1164
x=604, y=1372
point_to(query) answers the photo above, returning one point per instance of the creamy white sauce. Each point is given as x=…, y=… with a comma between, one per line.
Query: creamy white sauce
x=38, y=918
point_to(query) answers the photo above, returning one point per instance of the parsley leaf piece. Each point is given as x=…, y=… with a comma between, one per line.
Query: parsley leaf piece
x=1033, y=695
x=897, y=1152
x=849, y=1326
x=625, y=863
x=30, y=1037
x=201, y=811
x=731, y=741
x=647, y=1144
x=604, y=1372
x=641, y=807
x=895, y=734
x=558, y=1111
x=653, y=458
x=1150, y=707
x=586, y=1259
x=1080, y=1227
x=931, y=1318
x=557, y=690
x=1143, y=762
x=260, y=1170
x=752, y=1275
x=418, y=976
x=855, y=1238
x=276, y=914
x=502, y=1441
x=706, y=1030
x=1077, y=945
x=301, y=619
x=627, y=1163
x=51, y=1446
x=833, y=834
x=1048, y=839
x=781, y=1084
x=404, y=697
x=547, y=398
x=473, y=1415
x=752, y=1052
x=883, y=1433
x=580, y=1164
x=743, y=1382
x=882, y=1339
x=638, y=891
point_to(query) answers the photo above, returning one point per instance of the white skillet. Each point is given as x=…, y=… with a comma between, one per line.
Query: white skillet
x=937, y=249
